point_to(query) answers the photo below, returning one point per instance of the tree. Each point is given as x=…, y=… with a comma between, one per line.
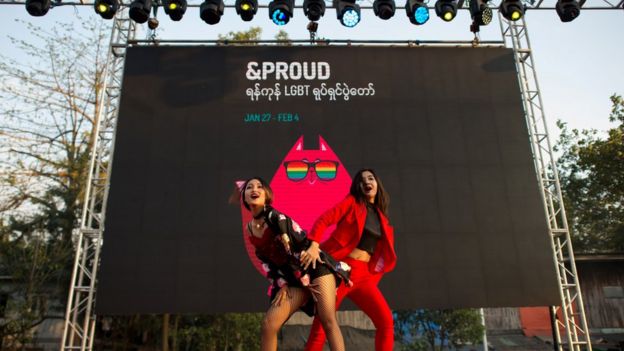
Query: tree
x=251, y=35
x=34, y=266
x=591, y=172
x=231, y=331
x=417, y=329
x=48, y=102
x=283, y=38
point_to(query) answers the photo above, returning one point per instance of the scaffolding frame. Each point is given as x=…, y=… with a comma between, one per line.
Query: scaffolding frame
x=573, y=319
x=80, y=319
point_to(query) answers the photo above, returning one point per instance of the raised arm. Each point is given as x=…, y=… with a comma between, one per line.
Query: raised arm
x=331, y=216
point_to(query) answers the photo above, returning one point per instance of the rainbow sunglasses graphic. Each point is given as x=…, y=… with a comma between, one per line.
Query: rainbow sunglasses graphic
x=298, y=170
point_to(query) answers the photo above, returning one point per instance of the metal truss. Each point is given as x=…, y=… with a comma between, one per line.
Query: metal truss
x=79, y=327
x=462, y=4
x=573, y=320
x=80, y=319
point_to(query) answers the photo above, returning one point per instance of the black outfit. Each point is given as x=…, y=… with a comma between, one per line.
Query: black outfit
x=371, y=233
x=286, y=265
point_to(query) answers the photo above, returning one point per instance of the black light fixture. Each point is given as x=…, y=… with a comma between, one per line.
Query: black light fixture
x=481, y=13
x=512, y=10
x=106, y=8
x=38, y=8
x=211, y=11
x=384, y=9
x=314, y=9
x=446, y=9
x=281, y=11
x=246, y=9
x=417, y=11
x=568, y=10
x=347, y=12
x=175, y=9
x=140, y=10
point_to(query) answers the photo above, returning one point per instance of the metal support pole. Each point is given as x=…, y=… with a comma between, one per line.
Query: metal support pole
x=573, y=312
x=79, y=327
x=485, y=342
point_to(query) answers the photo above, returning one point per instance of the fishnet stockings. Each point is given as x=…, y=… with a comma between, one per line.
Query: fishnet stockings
x=277, y=315
x=324, y=290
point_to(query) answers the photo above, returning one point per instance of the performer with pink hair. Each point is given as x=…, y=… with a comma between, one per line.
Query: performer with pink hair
x=279, y=241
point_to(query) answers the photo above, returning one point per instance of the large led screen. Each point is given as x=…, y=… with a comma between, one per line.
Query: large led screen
x=443, y=127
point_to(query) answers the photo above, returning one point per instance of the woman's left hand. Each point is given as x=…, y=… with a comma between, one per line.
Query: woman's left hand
x=311, y=256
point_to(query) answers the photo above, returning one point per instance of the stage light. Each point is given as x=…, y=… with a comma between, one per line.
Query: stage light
x=314, y=9
x=175, y=9
x=280, y=11
x=481, y=13
x=568, y=10
x=384, y=9
x=38, y=8
x=512, y=10
x=140, y=10
x=348, y=12
x=417, y=11
x=106, y=8
x=211, y=11
x=446, y=9
x=246, y=9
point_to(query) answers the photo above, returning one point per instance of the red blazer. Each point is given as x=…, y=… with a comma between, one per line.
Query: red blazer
x=350, y=217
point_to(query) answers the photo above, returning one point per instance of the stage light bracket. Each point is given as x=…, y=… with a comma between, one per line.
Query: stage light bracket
x=314, y=9
x=246, y=9
x=384, y=9
x=140, y=10
x=480, y=12
x=446, y=9
x=417, y=12
x=176, y=13
x=38, y=8
x=568, y=10
x=106, y=8
x=210, y=11
x=512, y=10
x=281, y=11
x=348, y=12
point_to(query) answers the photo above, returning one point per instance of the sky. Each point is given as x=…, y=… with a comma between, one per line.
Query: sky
x=579, y=64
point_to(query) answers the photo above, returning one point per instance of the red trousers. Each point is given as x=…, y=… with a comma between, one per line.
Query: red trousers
x=366, y=295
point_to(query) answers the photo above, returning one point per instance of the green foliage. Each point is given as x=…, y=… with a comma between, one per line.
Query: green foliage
x=253, y=33
x=591, y=171
x=236, y=331
x=283, y=38
x=418, y=330
x=48, y=101
x=232, y=331
x=36, y=267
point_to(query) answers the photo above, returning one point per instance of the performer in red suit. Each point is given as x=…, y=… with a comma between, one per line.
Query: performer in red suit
x=363, y=239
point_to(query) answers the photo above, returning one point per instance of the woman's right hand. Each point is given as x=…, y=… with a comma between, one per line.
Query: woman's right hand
x=311, y=256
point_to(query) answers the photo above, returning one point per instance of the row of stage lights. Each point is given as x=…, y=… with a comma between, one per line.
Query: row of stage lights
x=347, y=11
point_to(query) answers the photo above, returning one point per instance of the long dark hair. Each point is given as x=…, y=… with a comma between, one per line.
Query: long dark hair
x=268, y=192
x=382, y=200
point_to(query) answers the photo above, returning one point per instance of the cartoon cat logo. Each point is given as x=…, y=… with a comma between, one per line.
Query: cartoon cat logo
x=306, y=184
